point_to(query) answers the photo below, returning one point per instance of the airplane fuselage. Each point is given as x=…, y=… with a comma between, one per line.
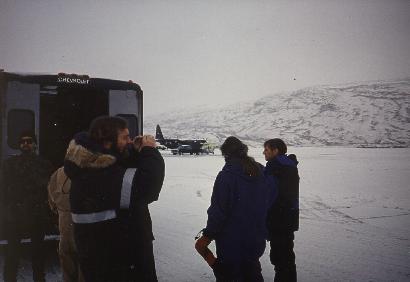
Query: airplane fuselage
x=175, y=143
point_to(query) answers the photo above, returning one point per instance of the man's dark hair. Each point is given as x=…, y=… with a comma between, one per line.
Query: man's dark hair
x=105, y=129
x=277, y=143
x=234, y=148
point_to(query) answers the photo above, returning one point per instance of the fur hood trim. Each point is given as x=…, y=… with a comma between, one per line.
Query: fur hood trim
x=85, y=158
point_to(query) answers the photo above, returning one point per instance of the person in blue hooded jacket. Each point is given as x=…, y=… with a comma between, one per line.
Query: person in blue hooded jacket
x=283, y=216
x=237, y=216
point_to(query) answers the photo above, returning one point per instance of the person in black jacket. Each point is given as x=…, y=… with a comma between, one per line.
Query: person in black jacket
x=141, y=186
x=283, y=216
x=94, y=164
x=25, y=179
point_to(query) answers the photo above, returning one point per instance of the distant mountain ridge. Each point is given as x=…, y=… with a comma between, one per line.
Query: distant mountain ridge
x=371, y=114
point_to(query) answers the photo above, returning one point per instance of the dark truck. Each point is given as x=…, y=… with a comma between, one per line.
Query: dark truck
x=55, y=107
x=182, y=149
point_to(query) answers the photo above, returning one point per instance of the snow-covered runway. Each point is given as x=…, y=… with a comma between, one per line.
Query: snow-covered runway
x=355, y=215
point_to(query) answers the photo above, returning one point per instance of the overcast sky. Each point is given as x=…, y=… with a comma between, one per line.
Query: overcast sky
x=185, y=53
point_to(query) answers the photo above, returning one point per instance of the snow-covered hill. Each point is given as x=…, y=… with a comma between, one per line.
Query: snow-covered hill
x=357, y=114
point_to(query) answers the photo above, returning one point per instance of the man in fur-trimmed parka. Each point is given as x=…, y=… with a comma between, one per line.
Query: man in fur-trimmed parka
x=114, y=242
x=93, y=163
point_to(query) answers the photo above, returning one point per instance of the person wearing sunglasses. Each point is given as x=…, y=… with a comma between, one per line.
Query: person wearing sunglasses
x=25, y=179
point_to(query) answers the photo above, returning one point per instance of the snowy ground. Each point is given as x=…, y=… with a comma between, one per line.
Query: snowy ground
x=355, y=216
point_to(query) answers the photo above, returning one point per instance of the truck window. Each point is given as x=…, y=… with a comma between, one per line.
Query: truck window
x=18, y=121
x=132, y=124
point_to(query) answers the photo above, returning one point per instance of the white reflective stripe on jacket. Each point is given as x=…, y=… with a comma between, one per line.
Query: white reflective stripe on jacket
x=126, y=188
x=93, y=217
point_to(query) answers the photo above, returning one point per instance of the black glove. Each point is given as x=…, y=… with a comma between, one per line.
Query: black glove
x=222, y=271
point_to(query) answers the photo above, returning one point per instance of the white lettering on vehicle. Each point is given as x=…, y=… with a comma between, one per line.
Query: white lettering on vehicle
x=72, y=80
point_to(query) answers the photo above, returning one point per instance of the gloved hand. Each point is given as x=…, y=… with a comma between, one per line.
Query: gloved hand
x=140, y=142
x=148, y=141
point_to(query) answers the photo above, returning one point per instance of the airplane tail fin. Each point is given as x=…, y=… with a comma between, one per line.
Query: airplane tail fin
x=158, y=133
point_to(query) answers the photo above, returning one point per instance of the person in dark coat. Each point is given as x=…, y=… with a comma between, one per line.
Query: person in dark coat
x=93, y=163
x=283, y=216
x=139, y=190
x=237, y=217
x=25, y=179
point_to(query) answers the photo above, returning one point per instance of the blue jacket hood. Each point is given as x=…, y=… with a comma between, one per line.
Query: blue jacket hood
x=287, y=160
x=282, y=160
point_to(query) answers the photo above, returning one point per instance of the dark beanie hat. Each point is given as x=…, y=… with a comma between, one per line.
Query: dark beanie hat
x=28, y=133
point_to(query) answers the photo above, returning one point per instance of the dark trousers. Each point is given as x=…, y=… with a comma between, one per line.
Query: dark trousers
x=282, y=257
x=144, y=263
x=14, y=235
x=249, y=271
x=95, y=243
x=135, y=252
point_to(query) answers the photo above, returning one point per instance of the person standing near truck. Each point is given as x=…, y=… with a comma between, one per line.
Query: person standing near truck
x=25, y=179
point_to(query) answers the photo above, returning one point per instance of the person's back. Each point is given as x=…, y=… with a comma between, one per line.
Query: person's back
x=58, y=193
x=244, y=199
x=92, y=164
x=95, y=178
x=237, y=217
